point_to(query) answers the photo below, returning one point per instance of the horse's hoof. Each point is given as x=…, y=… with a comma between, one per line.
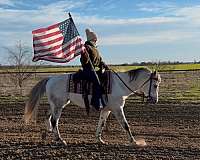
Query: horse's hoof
x=104, y=143
x=141, y=143
x=49, y=130
x=49, y=127
x=64, y=143
x=61, y=142
x=101, y=142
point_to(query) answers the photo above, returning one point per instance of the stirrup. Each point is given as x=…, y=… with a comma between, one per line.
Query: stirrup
x=102, y=102
x=101, y=106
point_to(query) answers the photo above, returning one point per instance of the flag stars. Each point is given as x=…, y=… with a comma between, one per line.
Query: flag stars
x=68, y=30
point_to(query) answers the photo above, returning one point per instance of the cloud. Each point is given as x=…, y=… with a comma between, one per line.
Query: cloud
x=55, y=12
x=62, y=6
x=190, y=14
x=7, y=2
x=156, y=7
x=103, y=6
x=14, y=19
x=153, y=23
x=94, y=20
x=156, y=37
x=27, y=20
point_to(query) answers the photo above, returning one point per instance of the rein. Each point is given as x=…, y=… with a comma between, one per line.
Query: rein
x=136, y=93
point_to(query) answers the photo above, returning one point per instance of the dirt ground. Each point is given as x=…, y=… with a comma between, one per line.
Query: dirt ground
x=171, y=128
x=171, y=132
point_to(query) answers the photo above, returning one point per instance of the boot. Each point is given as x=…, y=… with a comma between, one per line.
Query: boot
x=78, y=76
x=96, y=103
x=103, y=101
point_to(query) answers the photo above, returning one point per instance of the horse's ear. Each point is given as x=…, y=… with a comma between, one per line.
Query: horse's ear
x=155, y=72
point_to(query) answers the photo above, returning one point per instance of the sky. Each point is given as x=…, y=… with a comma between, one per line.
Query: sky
x=128, y=30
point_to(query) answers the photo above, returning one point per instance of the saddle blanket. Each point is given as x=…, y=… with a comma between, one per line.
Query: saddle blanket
x=85, y=87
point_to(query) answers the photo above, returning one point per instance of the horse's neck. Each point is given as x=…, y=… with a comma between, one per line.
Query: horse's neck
x=133, y=85
x=124, y=76
x=126, y=88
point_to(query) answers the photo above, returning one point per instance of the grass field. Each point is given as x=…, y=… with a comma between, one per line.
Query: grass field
x=165, y=67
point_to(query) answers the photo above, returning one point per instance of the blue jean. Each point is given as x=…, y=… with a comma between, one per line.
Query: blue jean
x=90, y=75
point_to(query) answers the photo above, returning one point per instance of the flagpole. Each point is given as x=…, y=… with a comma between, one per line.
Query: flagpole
x=93, y=69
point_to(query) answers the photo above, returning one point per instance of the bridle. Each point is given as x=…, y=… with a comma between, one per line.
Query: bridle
x=151, y=78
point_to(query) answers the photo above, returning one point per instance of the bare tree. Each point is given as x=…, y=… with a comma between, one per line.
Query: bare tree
x=158, y=66
x=154, y=66
x=20, y=61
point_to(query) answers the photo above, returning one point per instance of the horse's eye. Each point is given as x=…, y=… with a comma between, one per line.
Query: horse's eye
x=155, y=86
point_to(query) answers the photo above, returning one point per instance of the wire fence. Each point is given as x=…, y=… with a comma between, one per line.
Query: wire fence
x=176, y=86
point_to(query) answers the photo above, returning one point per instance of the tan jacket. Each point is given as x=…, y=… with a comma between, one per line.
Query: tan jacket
x=93, y=54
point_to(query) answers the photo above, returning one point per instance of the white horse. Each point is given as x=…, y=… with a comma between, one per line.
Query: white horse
x=138, y=81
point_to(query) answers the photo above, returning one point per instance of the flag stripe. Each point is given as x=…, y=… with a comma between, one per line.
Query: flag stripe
x=46, y=32
x=67, y=50
x=51, y=47
x=59, y=49
x=57, y=43
x=48, y=39
x=35, y=38
x=77, y=52
x=48, y=46
x=42, y=30
x=57, y=54
x=48, y=43
x=53, y=59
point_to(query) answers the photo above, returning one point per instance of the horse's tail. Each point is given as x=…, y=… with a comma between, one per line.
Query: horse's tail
x=35, y=94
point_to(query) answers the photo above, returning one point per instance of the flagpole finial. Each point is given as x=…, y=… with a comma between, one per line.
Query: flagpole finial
x=69, y=15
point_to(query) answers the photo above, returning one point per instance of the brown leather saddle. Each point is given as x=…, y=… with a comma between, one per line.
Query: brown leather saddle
x=81, y=86
x=84, y=87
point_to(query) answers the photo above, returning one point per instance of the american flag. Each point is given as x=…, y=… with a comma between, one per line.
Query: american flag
x=57, y=43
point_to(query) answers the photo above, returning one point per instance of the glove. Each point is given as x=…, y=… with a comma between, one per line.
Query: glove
x=105, y=66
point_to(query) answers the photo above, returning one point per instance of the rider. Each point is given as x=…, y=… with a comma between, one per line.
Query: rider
x=89, y=61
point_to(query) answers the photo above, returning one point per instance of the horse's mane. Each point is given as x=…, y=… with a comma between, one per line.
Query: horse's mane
x=133, y=74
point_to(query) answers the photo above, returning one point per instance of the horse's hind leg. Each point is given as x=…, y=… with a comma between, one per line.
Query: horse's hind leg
x=49, y=125
x=54, y=122
x=56, y=109
x=102, y=121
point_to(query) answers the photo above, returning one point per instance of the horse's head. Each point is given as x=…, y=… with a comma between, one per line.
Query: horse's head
x=146, y=83
x=151, y=87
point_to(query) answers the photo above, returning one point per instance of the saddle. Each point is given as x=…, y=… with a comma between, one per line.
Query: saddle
x=77, y=84
x=81, y=86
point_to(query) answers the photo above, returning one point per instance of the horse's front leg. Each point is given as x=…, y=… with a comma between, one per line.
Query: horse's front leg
x=102, y=121
x=119, y=114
